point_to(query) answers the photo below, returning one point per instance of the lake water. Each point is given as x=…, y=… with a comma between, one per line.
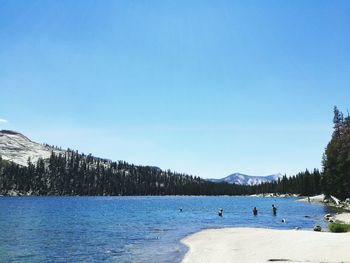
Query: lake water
x=131, y=229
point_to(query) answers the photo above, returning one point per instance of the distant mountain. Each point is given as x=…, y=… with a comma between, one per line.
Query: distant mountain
x=243, y=179
x=17, y=148
x=53, y=171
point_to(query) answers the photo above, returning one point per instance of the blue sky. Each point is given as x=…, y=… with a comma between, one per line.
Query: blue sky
x=202, y=87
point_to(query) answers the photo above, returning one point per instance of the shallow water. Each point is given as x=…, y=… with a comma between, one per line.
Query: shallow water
x=131, y=229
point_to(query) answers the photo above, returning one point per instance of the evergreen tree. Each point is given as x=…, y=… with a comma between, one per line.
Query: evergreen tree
x=336, y=159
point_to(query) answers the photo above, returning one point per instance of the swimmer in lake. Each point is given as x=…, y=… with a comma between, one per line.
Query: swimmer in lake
x=274, y=210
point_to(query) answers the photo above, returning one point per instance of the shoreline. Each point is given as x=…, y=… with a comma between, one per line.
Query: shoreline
x=250, y=245
x=343, y=217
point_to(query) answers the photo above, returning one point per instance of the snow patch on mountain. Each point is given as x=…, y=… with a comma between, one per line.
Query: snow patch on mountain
x=17, y=148
x=243, y=179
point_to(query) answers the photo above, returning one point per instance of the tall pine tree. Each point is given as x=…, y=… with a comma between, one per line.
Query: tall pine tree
x=336, y=159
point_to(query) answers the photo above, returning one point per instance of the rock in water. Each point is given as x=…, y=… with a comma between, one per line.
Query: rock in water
x=327, y=216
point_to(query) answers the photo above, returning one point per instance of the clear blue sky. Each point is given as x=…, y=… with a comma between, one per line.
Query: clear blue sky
x=201, y=87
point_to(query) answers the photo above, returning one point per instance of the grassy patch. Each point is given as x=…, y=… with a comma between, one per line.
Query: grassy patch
x=339, y=227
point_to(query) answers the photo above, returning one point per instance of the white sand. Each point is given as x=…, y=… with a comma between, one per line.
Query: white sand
x=313, y=199
x=243, y=245
x=344, y=217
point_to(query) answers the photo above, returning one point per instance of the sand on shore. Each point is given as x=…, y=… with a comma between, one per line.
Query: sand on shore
x=313, y=199
x=254, y=245
x=344, y=217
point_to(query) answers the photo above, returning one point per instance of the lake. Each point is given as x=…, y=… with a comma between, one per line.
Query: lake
x=131, y=229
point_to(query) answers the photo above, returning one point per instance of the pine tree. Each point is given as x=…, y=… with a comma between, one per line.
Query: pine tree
x=336, y=160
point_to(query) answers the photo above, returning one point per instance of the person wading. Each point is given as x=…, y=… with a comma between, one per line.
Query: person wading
x=274, y=210
x=220, y=212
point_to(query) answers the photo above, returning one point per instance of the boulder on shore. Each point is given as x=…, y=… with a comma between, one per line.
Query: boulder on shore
x=317, y=228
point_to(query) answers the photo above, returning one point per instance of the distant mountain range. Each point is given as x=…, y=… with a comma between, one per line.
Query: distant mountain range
x=243, y=179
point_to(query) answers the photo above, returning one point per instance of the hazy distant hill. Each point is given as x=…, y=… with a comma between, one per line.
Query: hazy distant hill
x=243, y=179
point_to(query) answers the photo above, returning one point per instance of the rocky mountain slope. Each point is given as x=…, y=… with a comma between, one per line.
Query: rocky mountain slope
x=243, y=179
x=17, y=148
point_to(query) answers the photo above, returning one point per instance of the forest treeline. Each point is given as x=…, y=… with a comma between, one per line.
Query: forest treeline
x=72, y=173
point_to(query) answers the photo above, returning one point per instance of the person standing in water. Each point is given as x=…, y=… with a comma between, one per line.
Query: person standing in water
x=255, y=211
x=274, y=210
x=220, y=212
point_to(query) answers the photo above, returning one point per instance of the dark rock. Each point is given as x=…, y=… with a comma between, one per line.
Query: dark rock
x=317, y=228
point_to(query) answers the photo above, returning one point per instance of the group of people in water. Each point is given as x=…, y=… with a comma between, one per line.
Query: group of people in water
x=255, y=211
x=274, y=210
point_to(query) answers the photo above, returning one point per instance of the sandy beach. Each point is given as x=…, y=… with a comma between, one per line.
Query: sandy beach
x=344, y=217
x=313, y=199
x=254, y=245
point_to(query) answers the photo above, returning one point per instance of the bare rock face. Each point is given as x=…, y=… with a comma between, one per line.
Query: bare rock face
x=17, y=148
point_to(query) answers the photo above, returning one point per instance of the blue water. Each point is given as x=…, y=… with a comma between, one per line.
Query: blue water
x=130, y=229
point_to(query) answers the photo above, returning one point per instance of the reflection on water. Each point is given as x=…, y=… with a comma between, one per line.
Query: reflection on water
x=130, y=229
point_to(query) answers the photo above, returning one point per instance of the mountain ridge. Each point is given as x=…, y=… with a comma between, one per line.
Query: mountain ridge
x=244, y=179
x=17, y=148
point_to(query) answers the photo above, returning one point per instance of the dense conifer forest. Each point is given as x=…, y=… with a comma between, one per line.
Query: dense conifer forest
x=78, y=174
x=72, y=173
